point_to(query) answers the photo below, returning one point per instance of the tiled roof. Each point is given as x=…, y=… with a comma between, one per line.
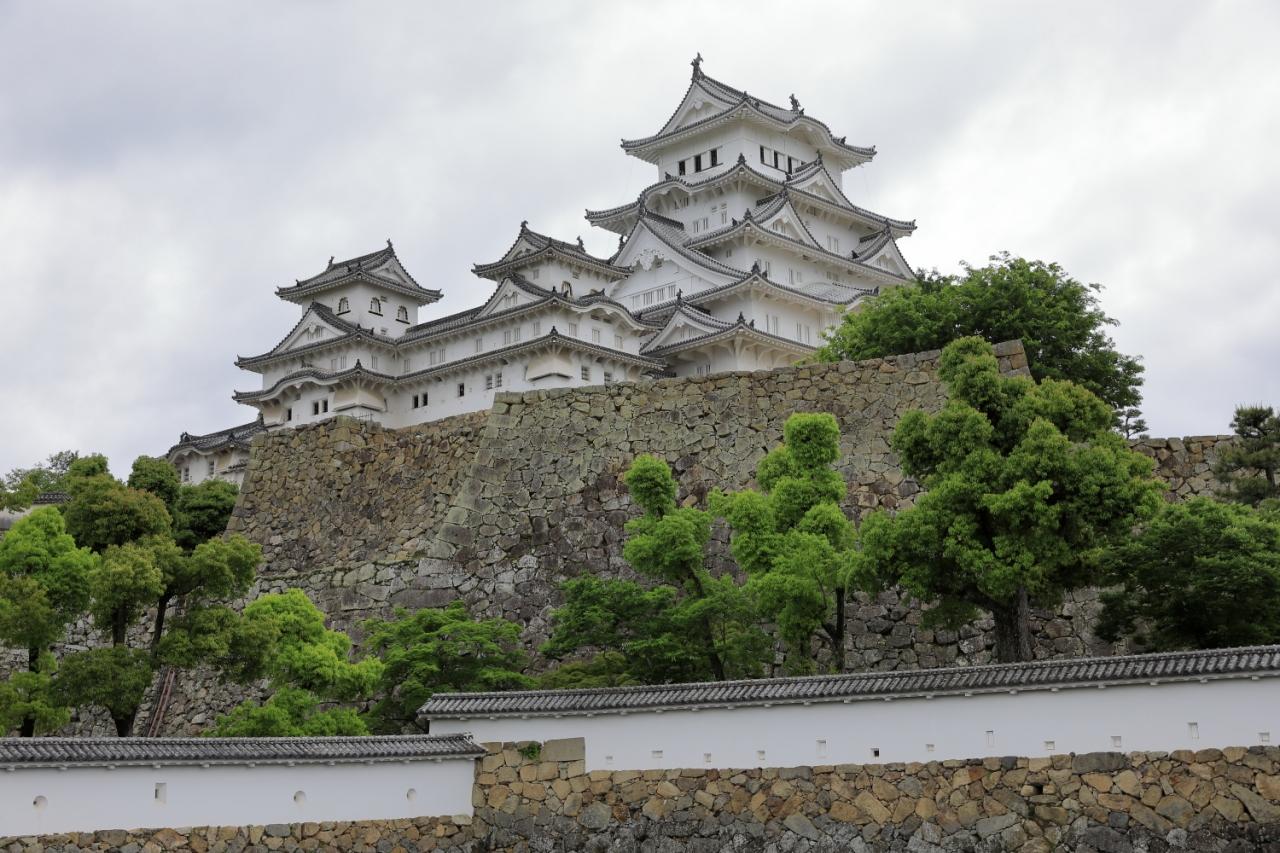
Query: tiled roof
x=51, y=499
x=1039, y=675
x=364, y=266
x=347, y=329
x=236, y=436
x=16, y=753
x=543, y=243
x=737, y=99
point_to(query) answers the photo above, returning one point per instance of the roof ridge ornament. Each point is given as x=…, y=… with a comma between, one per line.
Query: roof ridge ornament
x=795, y=105
x=697, y=66
x=389, y=246
x=580, y=246
x=755, y=266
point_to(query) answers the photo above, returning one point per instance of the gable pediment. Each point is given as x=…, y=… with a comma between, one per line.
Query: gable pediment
x=787, y=223
x=821, y=185
x=684, y=325
x=507, y=296
x=888, y=258
x=311, y=330
x=698, y=104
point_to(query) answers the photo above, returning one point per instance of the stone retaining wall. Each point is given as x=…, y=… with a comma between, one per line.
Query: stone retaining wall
x=529, y=800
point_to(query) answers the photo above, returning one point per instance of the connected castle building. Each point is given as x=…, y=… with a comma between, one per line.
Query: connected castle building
x=738, y=257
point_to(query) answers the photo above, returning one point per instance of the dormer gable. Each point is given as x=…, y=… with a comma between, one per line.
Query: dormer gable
x=782, y=219
x=685, y=323
x=700, y=102
x=511, y=293
x=881, y=253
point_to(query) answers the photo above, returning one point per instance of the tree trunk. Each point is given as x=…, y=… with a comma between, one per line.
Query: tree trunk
x=1013, y=629
x=119, y=629
x=28, y=727
x=835, y=633
x=161, y=606
x=124, y=725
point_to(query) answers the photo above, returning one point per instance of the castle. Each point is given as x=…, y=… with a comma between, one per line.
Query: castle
x=738, y=257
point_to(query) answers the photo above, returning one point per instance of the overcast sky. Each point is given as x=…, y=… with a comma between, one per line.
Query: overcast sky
x=165, y=166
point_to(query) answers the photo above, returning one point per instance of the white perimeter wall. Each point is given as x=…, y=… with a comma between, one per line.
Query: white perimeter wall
x=83, y=799
x=1224, y=713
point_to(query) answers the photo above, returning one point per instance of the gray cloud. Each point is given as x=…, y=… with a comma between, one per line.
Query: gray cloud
x=163, y=167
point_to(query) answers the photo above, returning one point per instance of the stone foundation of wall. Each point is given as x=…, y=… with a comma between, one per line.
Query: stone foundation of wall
x=1227, y=801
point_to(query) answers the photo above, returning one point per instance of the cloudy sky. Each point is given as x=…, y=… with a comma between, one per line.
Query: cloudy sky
x=165, y=166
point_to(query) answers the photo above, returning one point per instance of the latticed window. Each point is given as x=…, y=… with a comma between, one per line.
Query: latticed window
x=402, y=314
x=375, y=305
x=343, y=305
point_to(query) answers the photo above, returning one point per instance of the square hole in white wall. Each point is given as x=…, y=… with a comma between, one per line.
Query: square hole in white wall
x=1264, y=737
x=1050, y=746
x=162, y=792
x=928, y=747
x=706, y=758
x=822, y=749
x=1117, y=742
x=657, y=753
x=1193, y=731
x=991, y=738
x=760, y=755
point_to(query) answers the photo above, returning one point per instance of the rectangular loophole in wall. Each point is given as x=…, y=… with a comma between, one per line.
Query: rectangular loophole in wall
x=608, y=759
x=706, y=758
x=875, y=752
x=928, y=747
x=822, y=749
x=760, y=755
x=162, y=792
x=991, y=738
x=1050, y=746
x=1117, y=742
x=1193, y=731
x=1264, y=737
x=657, y=753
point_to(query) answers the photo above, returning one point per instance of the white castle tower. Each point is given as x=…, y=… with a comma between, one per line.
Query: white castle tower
x=738, y=257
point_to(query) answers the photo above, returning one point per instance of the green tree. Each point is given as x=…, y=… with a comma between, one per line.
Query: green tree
x=1201, y=574
x=216, y=570
x=114, y=678
x=1249, y=467
x=28, y=702
x=440, y=649
x=606, y=669
x=692, y=626
x=1057, y=318
x=157, y=476
x=103, y=512
x=202, y=511
x=44, y=585
x=310, y=664
x=794, y=542
x=21, y=486
x=1026, y=486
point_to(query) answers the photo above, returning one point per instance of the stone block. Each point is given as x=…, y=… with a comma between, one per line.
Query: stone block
x=564, y=749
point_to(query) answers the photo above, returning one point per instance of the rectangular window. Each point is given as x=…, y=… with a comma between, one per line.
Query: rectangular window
x=506, y=337
x=617, y=341
x=408, y=365
x=211, y=467
x=595, y=336
x=833, y=243
x=186, y=474
x=575, y=274
x=324, y=406
x=697, y=162
x=586, y=373
x=791, y=164
x=573, y=330
x=315, y=409
x=533, y=273
x=773, y=323
x=715, y=156
x=724, y=217
x=462, y=389
x=497, y=379
x=343, y=361
x=682, y=162
x=488, y=382
x=333, y=365
x=537, y=328
x=415, y=401
x=479, y=344
x=762, y=153
x=706, y=223
x=796, y=276
x=704, y=369
x=374, y=359
x=776, y=158
x=608, y=376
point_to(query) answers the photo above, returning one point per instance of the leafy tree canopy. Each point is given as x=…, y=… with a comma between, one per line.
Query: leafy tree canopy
x=440, y=649
x=794, y=541
x=306, y=664
x=114, y=678
x=44, y=580
x=202, y=511
x=1251, y=466
x=21, y=486
x=104, y=512
x=27, y=701
x=1026, y=485
x=157, y=476
x=1201, y=574
x=1057, y=318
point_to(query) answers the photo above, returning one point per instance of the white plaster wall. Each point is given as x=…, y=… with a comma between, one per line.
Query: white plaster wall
x=1225, y=713
x=82, y=799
